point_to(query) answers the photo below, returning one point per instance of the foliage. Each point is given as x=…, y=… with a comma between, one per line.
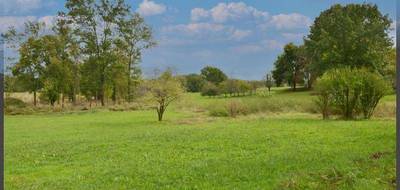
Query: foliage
x=351, y=91
x=210, y=89
x=354, y=35
x=289, y=65
x=164, y=90
x=194, y=82
x=213, y=75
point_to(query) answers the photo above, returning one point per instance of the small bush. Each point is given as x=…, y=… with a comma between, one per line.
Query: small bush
x=210, y=89
x=14, y=102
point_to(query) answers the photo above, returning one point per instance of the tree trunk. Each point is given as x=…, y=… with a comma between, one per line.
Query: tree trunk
x=34, y=98
x=62, y=100
x=294, y=82
x=129, y=82
x=160, y=111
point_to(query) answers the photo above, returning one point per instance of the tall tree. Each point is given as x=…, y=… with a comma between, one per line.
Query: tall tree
x=354, y=35
x=97, y=24
x=29, y=66
x=136, y=36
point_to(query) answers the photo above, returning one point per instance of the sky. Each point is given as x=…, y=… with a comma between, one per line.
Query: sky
x=243, y=38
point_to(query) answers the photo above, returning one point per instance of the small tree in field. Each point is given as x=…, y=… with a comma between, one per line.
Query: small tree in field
x=269, y=82
x=164, y=90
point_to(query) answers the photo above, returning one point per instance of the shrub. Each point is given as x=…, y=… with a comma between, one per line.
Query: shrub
x=351, y=91
x=210, y=90
x=373, y=88
x=236, y=108
x=14, y=102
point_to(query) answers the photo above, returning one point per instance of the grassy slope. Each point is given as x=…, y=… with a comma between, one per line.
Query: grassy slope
x=126, y=150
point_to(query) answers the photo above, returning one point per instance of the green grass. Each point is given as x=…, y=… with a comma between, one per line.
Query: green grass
x=131, y=150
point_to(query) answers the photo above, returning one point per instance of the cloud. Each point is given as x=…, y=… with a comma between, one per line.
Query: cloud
x=240, y=34
x=149, y=8
x=290, y=21
x=19, y=21
x=224, y=12
x=15, y=6
x=262, y=46
x=199, y=13
x=273, y=44
x=293, y=36
x=195, y=28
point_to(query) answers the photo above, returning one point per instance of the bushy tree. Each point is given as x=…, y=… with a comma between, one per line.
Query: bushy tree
x=354, y=35
x=194, y=82
x=213, y=75
x=351, y=91
x=210, y=89
x=289, y=65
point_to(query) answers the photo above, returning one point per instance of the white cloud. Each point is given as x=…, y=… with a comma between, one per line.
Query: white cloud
x=240, y=34
x=290, y=21
x=199, y=13
x=149, y=8
x=273, y=44
x=195, y=28
x=18, y=21
x=293, y=36
x=224, y=12
x=262, y=46
x=19, y=6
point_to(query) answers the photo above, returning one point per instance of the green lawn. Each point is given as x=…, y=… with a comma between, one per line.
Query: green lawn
x=131, y=150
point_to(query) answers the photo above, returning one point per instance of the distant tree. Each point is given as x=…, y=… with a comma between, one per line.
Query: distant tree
x=354, y=35
x=289, y=65
x=243, y=87
x=269, y=82
x=194, y=82
x=164, y=90
x=278, y=74
x=213, y=75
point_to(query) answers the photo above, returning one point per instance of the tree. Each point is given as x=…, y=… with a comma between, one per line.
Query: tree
x=269, y=82
x=194, y=82
x=290, y=64
x=30, y=65
x=68, y=53
x=213, y=75
x=136, y=36
x=97, y=24
x=164, y=90
x=278, y=74
x=354, y=35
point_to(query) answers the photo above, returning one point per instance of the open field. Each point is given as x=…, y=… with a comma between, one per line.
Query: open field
x=192, y=150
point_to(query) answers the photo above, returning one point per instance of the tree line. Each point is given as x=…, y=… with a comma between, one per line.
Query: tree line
x=93, y=50
x=213, y=81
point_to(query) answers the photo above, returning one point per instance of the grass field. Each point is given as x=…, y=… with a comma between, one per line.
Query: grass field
x=191, y=150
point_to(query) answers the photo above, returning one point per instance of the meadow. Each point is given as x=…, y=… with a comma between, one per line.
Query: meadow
x=285, y=148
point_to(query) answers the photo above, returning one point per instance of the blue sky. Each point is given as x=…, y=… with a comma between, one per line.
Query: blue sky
x=243, y=38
